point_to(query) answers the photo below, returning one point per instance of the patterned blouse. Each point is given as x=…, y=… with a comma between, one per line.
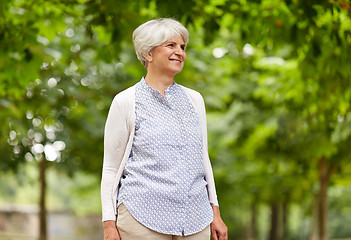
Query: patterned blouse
x=163, y=183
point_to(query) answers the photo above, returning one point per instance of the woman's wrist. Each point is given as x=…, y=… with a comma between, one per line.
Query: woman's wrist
x=216, y=212
x=109, y=224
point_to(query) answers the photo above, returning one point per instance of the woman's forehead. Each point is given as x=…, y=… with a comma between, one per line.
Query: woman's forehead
x=176, y=38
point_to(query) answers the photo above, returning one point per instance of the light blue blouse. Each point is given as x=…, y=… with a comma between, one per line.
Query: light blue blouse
x=163, y=184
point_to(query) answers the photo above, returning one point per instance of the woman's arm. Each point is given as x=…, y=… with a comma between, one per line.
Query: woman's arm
x=115, y=142
x=219, y=230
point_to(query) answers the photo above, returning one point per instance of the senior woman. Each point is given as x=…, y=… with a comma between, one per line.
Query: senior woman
x=157, y=177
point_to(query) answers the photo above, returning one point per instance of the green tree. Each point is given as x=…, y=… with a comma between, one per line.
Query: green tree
x=295, y=96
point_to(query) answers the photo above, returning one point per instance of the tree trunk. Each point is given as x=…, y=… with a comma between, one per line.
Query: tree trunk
x=285, y=225
x=253, y=223
x=42, y=205
x=322, y=203
x=274, y=233
x=314, y=220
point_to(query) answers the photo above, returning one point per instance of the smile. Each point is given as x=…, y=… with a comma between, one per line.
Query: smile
x=175, y=60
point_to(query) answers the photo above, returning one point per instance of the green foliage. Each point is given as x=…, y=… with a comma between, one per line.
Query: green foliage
x=275, y=76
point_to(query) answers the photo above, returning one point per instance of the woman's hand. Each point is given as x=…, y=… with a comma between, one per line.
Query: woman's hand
x=219, y=230
x=110, y=231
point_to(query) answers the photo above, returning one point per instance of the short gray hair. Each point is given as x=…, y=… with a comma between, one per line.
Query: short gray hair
x=154, y=33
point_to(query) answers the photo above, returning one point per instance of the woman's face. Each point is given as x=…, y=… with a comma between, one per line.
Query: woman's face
x=169, y=57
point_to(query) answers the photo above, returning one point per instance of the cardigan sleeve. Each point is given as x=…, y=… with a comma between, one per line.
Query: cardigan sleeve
x=207, y=163
x=115, y=143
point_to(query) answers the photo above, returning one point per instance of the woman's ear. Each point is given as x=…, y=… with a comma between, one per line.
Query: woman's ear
x=148, y=57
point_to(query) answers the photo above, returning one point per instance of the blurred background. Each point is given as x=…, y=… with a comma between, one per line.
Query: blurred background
x=276, y=79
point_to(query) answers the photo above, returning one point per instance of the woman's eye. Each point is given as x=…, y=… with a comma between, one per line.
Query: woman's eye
x=174, y=45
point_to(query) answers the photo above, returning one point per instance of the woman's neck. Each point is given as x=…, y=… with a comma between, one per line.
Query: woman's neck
x=159, y=82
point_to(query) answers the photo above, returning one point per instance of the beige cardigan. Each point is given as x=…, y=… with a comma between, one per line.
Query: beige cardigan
x=118, y=139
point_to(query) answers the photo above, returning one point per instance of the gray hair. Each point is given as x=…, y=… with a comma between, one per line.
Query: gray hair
x=154, y=33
